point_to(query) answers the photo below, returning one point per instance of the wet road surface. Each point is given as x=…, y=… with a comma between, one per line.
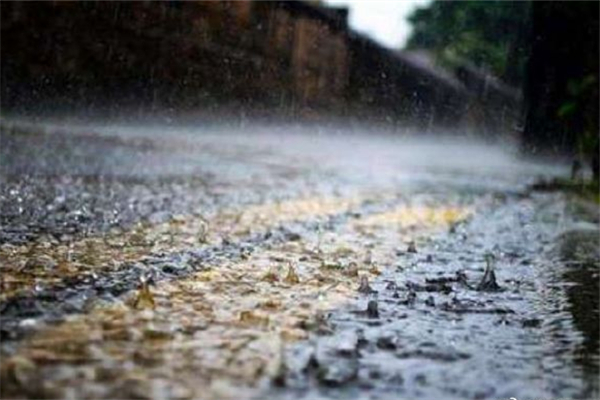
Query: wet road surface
x=289, y=262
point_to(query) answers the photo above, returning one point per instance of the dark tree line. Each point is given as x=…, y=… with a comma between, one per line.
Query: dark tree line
x=562, y=79
x=491, y=35
x=549, y=48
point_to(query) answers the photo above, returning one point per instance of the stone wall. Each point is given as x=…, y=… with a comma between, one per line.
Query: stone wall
x=284, y=58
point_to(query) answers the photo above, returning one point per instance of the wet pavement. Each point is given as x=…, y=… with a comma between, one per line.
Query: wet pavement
x=289, y=262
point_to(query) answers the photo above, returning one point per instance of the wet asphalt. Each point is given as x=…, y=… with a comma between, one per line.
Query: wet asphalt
x=88, y=210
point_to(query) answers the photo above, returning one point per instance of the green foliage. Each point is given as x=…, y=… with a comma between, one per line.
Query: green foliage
x=578, y=92
x=489, y=34
x=567, y=108
x=573, y=108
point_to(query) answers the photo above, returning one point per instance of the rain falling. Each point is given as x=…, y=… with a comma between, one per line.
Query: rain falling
x=299, y=200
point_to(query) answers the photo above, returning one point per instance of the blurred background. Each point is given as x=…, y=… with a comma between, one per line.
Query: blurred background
x=521, y=69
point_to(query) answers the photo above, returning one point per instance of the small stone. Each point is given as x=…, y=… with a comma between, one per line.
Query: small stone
x=411, y=298
x=531, y=323
x=412, y=247
x=352, y=270
x=372, y=309
x=387, y=343
x=430, y=301
x=364, y=287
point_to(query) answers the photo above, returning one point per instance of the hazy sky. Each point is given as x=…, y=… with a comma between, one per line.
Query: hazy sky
x=383, y=20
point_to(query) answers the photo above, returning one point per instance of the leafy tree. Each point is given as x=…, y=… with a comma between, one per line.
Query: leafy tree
x=562, y=93
x=488, y=34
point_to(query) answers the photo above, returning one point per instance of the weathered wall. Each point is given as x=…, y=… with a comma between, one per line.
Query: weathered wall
x=285, y=58
x=184, y=53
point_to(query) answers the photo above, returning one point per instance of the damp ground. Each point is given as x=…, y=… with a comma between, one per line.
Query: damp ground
x=289, y=262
